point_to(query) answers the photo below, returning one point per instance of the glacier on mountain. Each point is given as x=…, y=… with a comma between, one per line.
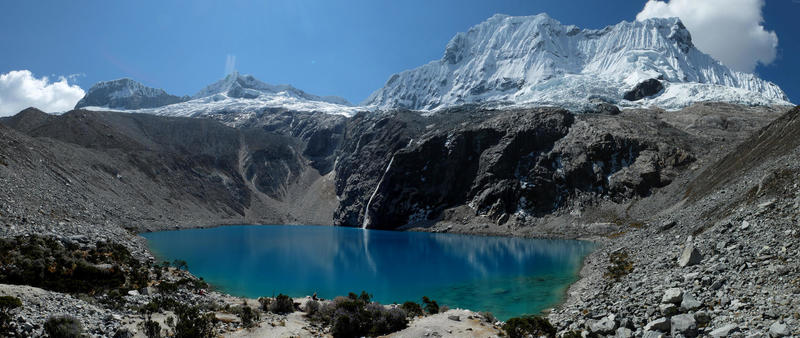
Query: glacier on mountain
x=535, y=60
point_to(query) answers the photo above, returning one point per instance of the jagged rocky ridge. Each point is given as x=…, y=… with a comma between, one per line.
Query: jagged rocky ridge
x=535, y=60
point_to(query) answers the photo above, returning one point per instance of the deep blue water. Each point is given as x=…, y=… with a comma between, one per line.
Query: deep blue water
x=507, y=276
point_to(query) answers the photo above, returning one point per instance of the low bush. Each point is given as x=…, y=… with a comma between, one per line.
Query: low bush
x=412, y=309
x=248, y=315
x=488, y=317
x=619, y=265
x=7, y=303
x=48, y=263
x=193, y=323
x=63, y=327
x=265, y=303
x=192, y=284
x=180, y=264
x=431, y=307
x=312, y=307
x=526, y=326
x=282, y=304
x=152, y=329
x=357, y=316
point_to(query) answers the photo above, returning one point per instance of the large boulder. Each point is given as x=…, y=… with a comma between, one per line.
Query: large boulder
x=606, y=325
x=661, y=325
x=683, y=325
x=690, y=256
x=672, y=296
x=689, y=302
x=779, y=329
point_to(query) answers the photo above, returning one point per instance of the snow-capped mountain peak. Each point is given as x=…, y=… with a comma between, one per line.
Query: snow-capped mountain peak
x=126, y=94
x=236, y=85
x=535, y=60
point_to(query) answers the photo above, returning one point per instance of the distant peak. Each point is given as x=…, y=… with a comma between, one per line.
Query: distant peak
x=246, y=86
x=126, y=93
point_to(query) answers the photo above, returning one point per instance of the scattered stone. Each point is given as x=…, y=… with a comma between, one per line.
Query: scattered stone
x=624, y=332
x=745, y=225
x=661, y=324
x=604, y=326
x=652, y=334
x=672, y=296
x=668, y=225
x=668, y=310
x=779, y=329
x=702, y=318
x=724, y=331
x=683, y=324
x=454, y=318
x=690, y=302
x=690, y=256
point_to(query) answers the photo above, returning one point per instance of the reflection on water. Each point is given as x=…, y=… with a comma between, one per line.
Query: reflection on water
x=508, y=276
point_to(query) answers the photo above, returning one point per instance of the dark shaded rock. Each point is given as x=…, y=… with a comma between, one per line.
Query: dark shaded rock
x=644, y=89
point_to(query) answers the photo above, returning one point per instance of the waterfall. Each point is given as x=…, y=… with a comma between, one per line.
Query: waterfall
x=378, y=186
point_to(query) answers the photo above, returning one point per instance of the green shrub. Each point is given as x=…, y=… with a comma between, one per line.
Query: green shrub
x=573, y=334
x=312, y=307
x=248, y=315
x=193, y=323
x=188, y=283
x=152, y=329
x=180, y=264
x=430, y=305
x=412, y=309
x=48, y=263
x=488, y=317
x=123, y=332
x=282, y=304
x=63, y=327
x=7, y=303
x=520, y=327
x=352, y=316
x=619, y=265
x=265, y=302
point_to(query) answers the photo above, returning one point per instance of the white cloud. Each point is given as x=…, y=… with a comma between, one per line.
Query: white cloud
x=731, y=31
x=19, y=89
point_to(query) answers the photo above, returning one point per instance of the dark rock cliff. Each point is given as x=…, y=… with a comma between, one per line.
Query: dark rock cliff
x=399, y=170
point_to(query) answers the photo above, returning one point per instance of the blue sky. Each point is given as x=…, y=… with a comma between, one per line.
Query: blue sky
x=346, y=48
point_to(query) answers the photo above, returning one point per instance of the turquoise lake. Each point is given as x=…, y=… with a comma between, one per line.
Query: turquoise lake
x=507, y=276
